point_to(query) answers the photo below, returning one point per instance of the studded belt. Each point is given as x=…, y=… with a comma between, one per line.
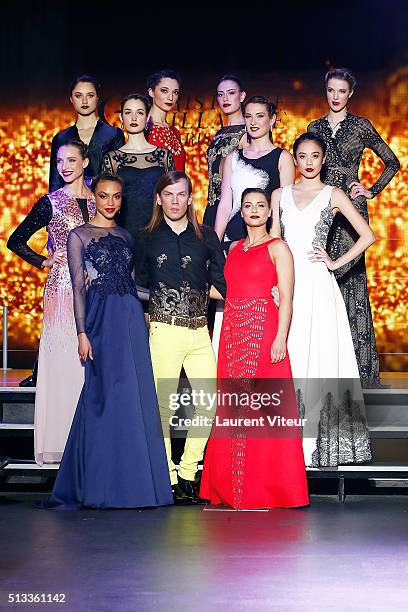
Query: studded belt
x=189, y=322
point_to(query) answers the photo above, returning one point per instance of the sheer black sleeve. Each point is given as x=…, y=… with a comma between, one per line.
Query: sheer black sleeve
x=75, y=252
x=39, y=216
x=217, y=261
x=373, y=141
x=106, y=165
x=170, y=162
x=141, y=269
x=55, y=181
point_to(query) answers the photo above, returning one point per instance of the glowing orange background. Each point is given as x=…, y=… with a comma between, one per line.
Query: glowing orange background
x=25, y=146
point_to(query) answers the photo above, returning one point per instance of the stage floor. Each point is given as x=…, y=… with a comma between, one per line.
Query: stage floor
x=326, y=557
x=11, y=378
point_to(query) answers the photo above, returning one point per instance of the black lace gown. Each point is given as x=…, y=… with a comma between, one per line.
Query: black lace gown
x=140, y=173
x=114, y=457
x=225, y=141
x=344, y=152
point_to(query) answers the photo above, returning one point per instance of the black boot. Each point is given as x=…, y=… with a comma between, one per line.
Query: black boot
x=179, y=497
x=31, y=380
x=190, y=489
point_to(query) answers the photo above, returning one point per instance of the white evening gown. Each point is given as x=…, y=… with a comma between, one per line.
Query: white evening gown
x=320, y=344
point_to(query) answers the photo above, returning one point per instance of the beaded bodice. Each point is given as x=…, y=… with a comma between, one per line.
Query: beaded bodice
x=106, y=255
x=66, y=215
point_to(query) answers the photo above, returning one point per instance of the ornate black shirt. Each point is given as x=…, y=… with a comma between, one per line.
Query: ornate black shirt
x=179, y=269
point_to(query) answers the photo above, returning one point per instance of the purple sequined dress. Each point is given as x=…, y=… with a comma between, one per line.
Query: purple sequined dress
x=60, y=372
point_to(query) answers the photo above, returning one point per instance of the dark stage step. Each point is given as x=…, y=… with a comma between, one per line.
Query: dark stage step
x=387, y=416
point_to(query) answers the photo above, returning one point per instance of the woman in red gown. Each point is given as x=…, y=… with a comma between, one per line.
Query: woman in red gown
x=164, y=90
x=256, y=465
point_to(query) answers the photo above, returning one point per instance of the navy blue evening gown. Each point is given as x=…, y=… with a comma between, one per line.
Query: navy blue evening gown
x=114, y=457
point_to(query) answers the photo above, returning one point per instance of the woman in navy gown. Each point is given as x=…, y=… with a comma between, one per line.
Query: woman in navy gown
x=115, y=456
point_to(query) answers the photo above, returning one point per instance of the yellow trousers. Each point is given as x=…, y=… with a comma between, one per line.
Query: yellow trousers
x=173, y=348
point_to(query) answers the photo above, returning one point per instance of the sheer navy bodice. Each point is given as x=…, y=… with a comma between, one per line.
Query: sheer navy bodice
x=106, y=255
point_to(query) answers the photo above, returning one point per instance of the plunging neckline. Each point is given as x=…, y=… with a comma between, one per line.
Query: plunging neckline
x=300, y=210
x=93, y=134
x=338, y=126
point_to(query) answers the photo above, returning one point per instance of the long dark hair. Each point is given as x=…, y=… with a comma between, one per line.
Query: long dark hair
x=171, y=178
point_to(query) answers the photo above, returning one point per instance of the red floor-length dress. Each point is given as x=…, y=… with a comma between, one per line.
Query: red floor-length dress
x=264, y=468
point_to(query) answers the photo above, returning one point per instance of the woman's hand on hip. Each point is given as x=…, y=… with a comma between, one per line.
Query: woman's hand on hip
x=357, y=189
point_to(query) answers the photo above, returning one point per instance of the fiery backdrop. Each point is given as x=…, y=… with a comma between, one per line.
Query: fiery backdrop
x=25, y=146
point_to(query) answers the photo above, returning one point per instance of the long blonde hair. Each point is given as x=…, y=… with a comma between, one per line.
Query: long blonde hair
x=171, y=178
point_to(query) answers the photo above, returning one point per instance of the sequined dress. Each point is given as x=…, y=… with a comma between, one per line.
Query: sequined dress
x=254, y=468
x=344, y=152
x=169, y=138
x=225, y=141
x=114, y=457
x=323, y=361
x=60, y=373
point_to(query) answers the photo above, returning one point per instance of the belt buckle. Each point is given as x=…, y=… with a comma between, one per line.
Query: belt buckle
x=192, y=323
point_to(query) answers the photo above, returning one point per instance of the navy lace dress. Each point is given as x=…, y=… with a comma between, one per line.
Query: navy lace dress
x=115, y=456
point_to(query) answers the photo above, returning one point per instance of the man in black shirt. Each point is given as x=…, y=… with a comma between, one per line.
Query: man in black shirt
x=182, y=264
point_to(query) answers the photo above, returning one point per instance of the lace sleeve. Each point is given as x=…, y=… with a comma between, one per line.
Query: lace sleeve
x=312, y=128
x=373, y=141
x=75, y=251
x=170, y=162
x=106, y=165
x=39, y=216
